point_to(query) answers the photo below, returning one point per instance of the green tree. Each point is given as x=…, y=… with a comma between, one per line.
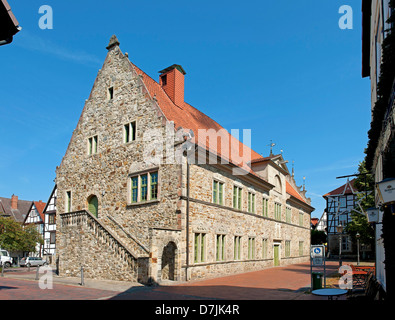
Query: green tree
x=17, y=237
x=318, y=237
x=364, y=183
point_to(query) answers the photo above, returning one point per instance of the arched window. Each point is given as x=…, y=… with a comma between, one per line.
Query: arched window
x=277, y=184
x=93, y=205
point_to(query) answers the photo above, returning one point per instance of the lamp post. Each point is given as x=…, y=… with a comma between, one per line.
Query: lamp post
x=358, y=236
x=339, y=228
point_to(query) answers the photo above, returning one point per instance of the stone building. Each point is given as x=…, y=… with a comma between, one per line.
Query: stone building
x=151, y=189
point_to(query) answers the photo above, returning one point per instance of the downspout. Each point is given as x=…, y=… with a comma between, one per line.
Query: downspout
x=187, y=225
x=187, y=147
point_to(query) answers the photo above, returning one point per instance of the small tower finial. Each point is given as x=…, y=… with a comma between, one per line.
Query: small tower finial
x=293, y=169
x=113, y=42
x=271, y=145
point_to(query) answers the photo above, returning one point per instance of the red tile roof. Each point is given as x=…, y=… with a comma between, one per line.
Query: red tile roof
x=40, y=208
x=291, y=191
x=340, y=190
x=188, y=117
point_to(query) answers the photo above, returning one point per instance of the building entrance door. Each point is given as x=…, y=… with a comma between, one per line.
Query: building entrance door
x=276, y=255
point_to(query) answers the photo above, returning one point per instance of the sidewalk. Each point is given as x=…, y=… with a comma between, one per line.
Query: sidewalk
x=280, y=283
x=110, y=285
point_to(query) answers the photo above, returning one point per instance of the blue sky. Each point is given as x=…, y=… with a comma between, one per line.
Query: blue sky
x=283, y=69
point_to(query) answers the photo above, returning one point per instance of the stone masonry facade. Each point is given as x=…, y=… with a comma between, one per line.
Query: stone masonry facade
x=137, y=234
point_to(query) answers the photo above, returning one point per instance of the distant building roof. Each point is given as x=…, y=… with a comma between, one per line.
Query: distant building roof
x=347, y=188
x=40, y=206
x=15, y=208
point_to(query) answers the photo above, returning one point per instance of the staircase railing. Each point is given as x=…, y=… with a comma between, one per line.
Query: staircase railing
x=85, y=219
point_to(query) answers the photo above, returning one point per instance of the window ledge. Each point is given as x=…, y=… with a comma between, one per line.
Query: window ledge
x=142, y=203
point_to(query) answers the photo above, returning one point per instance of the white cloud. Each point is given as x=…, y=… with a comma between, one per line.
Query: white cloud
x=31, y=41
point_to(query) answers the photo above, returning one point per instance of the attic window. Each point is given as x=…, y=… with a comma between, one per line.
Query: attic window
x=129, y=132
x=111, y=93
x=164, y=79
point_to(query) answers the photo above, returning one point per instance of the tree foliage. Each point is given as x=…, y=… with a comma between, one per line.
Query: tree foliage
x=17, y=237
x=318, y=237
x=364, y=183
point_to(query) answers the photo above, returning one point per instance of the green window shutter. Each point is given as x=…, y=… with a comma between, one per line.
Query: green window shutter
x=203, y=238
x=235, y=197
x=215, y=191
x=264, y=249
x=154, y=185
x=239, y=200
x=223, y=248
x=196, y=247
x=144, y=180
x=134, y=185
x=220, y=193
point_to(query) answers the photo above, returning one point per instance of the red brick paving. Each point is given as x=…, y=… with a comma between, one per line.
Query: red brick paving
x=281, y=283
x=13, y=289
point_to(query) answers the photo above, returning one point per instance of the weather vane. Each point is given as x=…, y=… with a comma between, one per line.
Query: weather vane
x=271, y=145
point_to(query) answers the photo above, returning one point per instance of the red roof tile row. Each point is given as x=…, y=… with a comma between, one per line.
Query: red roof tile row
x=188, y=117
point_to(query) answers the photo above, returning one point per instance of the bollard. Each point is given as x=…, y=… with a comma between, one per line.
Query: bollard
x=82, y=276
x=38, y=267
x=2, y=269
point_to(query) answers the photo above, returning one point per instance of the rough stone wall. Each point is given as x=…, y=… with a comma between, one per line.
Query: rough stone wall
x=106, y=174
x=155, y=230
x=213, y=219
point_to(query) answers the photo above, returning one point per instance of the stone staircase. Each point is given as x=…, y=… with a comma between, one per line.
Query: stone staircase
x=90, y=243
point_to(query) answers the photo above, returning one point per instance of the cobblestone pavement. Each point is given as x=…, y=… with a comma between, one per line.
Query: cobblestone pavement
x=281, y=283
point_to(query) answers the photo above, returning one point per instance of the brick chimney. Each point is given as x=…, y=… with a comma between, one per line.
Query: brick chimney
x=14, y=202
x=171, y=80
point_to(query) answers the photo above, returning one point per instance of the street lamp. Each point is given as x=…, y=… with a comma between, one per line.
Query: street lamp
x=373, y=215
x=339, y=228
x=386, y=191
x=358, y=236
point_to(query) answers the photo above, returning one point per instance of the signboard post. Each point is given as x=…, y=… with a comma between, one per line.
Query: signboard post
x=317, y=259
